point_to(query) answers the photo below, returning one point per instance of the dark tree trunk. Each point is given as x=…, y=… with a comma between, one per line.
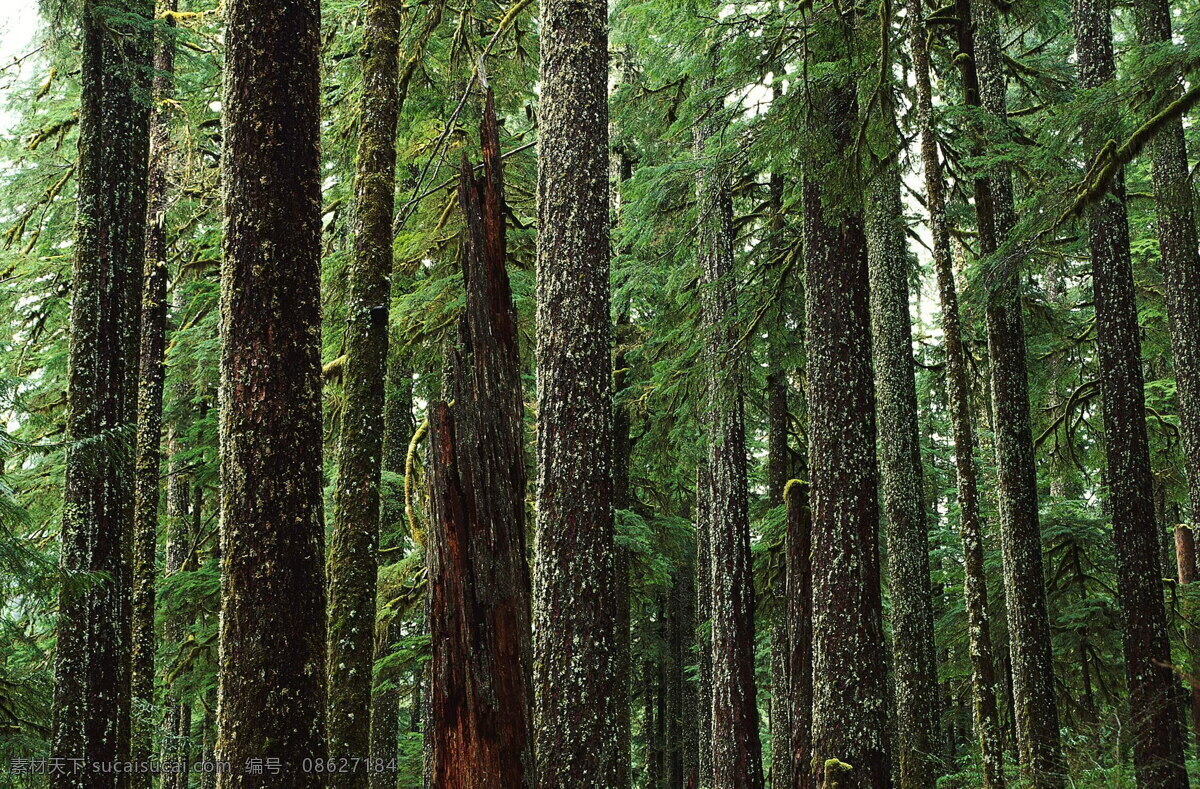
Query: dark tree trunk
x=385, y=703
x=850, y=695
x=575, y=646
x=620, y=777
x=983, y=688
x=479, y=580
x=1016, y=477
x=147, y=461
x=704, y=525
x=799, y=601
x=737, y=753
x=914, y=663
x=1157, y=729
x=680, y=719
x=272, y=699
x=777, y=477
x=92, y=664
x=353, y=545
x=1175, y=223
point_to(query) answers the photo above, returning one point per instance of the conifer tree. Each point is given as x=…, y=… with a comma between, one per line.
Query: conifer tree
x=92, y=661
x=272, y=680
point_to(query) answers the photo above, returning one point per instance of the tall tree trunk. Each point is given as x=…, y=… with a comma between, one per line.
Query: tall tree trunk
x=850, y=695
x=272, y=698
x=914, y=662
x=385, y=703
x=799, y=601
x=353, y=564
x=620, y=777
x=1157, y=728
x=983, y=690
x=1175, y=223
x=777, y=477
x=92, y=663
x=1035, y=702
x=479, y=580
x=576, y=577
x=737, y=753
x=147, y=461
x=680, y=719
x=704, y=526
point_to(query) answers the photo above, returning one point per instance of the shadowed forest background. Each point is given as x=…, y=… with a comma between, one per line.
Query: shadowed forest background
x=657, y=394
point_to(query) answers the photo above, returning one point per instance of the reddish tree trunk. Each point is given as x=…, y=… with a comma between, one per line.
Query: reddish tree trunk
x=479, y=581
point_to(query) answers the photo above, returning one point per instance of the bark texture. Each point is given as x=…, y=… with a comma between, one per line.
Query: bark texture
x=575, y=582
x=983, y=690
x=737, y=752
x=353, y=545
x=1035, y=703
x=92, y=663
x=914, y=664
x=850, y=697
x=1175, y=223
x=799, y=601
x=271, y=699
x=147, y=461
x=704, y=526
x=1157, y=728
x=479, y=581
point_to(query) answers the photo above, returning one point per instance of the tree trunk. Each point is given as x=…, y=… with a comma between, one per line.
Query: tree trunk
x=1175, y=223
x=353, y=564
x=983, y=690
x=92, y=663
x=147, y=461
x=737, y=754
x=1156, y=726
x=385, y=704
x=272, y=699
x=1016, y=484
x=915, y=667
x=799, y=601
x=704, y=525
x=777, y=477
x=479, y=580
x=576, y=577
x=850, y=695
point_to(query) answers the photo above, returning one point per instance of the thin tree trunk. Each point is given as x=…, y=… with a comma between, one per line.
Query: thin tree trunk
x=850, y=695
x=704, y=525
x=737, y=753
x=914, y=662
x=147, y=461
x=983, y=690
x=1016, y=485
x=92, y=663
x=777, y=477
x=271, y=677
x=385, y=703
x=799, y=601
x=479, y=580
x=1157, y=728
x=353, y=564
x=1175, y=224
x=575, y=665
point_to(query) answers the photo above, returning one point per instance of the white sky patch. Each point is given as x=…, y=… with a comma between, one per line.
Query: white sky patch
x=18, y=28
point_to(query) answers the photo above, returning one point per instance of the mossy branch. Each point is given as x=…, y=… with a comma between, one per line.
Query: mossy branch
x=1111, y=158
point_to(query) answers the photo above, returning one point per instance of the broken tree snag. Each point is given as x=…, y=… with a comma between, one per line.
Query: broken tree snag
x=482, y=703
